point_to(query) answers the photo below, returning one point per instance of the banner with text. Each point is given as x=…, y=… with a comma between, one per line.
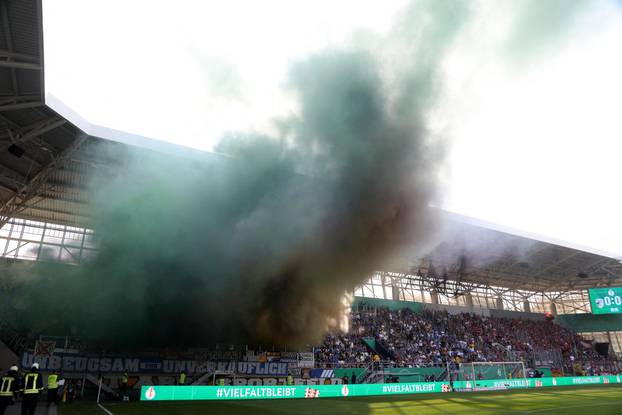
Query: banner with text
x=168, y=393
x=69, y=362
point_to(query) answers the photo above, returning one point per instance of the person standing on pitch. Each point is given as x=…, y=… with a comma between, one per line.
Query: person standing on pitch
x=33, y=385
x=53, y=388
x=182, y=378
x=123, y=386
x=9, y=386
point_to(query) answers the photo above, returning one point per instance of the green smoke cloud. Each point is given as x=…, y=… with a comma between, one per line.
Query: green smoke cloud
x=259, y=247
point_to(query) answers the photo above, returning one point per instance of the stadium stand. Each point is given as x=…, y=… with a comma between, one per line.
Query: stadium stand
x=404, y=338
x=44, y=218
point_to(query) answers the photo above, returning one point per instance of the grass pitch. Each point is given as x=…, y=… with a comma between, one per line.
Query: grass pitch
x=593, y=400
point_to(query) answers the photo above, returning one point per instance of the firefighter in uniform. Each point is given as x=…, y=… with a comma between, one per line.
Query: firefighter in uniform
x=182, y=378
x=32, y=386
x=9, y=386
x=53, y=388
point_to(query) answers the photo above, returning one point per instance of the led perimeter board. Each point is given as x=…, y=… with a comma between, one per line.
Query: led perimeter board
x=606, y=300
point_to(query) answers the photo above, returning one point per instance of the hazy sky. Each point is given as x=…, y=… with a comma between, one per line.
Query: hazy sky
x=536, y=139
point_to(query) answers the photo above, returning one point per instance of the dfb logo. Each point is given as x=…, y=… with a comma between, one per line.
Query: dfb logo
x=150, y=393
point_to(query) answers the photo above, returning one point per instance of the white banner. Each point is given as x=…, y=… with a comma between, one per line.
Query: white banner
x=306, y=359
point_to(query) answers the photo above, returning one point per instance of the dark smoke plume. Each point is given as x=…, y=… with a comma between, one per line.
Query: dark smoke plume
x=260, y=246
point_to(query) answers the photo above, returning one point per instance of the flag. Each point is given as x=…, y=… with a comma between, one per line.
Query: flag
x=44, y=349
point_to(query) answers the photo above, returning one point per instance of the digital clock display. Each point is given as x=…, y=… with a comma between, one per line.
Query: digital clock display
x=606, y=300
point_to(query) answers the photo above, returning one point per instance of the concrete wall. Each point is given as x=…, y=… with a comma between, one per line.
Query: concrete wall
x=590, y=322
x=455, y=309
x=391, y=304
x=516, y=314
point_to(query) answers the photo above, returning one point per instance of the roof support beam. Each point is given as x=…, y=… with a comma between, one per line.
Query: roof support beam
x=9, y=42
x=34, y=130
x=6, y=189
x=19, y=56
x=11, y=176
x=37, y=184
x=22, y=105
x=20, y=65
x=612, y=273
x=569, y=282
x=54, y=211
x=11, y=126
x=555, y=264
x=4, y=99
x=60, y=198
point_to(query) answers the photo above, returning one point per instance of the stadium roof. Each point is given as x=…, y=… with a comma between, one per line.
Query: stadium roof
x=45, y=159
x=43, y=156
x=473, y=251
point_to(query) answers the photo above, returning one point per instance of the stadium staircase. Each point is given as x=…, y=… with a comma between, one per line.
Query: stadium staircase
x=95, y=381
x=7, y=357
x=378, y=347
x=442, y=376
x=369, y=375
x=202, y=380
x=12, y=345
x=372, y=374
x=12, y=338
x=383, y=351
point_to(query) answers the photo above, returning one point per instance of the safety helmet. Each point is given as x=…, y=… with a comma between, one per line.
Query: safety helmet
x=13, y=369
x=35, y=366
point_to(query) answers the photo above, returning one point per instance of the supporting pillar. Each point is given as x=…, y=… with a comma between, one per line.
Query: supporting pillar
x=383, y=281
x=434, y=297
x=396, y=293
x=469, y=299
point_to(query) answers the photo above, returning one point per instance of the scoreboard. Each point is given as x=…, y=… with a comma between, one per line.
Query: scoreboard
x=606, y=300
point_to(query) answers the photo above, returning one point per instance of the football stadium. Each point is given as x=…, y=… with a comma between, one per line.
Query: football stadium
x=315, y=265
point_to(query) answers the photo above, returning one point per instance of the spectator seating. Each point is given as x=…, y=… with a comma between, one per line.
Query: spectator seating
x=404, y=338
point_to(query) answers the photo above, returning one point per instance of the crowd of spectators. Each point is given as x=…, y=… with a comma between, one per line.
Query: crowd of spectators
x=433, y=338
x=339, y=349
